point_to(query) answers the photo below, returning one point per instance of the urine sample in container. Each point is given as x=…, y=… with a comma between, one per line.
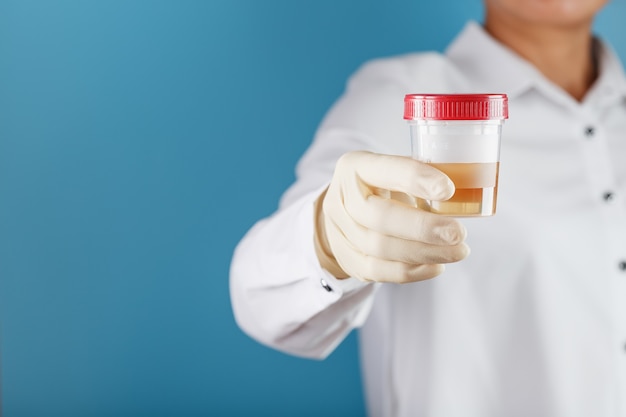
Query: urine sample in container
x=460, y=135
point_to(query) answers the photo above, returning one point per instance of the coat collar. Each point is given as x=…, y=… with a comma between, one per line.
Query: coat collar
x=494, y=68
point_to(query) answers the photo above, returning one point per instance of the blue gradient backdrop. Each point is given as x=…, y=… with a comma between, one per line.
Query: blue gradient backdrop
x=139, y=140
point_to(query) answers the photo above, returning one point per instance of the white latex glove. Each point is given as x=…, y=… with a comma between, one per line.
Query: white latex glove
x=361, y=233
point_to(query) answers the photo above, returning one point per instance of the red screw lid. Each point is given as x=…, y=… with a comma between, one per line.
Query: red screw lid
x=456, y=106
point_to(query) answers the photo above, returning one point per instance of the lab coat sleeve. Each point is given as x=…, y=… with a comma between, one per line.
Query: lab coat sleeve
x=276, y=288
x=275, y=278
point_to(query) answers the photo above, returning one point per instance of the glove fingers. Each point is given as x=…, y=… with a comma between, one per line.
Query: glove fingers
x=401, y=173
x=370, y=268
x=378, y=245
x=375, y=238
x=393, y=218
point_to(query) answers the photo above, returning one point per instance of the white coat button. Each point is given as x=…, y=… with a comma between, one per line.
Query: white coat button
x=608, y=196
x=325, y=285
x=622, y=266
x=590, y=131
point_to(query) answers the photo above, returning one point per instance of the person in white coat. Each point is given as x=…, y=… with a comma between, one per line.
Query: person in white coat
x=533, y=322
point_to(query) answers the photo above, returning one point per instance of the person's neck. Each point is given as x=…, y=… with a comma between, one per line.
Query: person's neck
x=563, y=54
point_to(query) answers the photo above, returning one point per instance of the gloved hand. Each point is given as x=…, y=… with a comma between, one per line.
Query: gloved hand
x=360, y=232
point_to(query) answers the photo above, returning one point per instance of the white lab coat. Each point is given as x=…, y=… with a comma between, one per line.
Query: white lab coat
x=533, y=322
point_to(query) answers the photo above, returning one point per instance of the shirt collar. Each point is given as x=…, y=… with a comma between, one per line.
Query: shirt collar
x=491, y=66
x=495, y=68
x=611, y=82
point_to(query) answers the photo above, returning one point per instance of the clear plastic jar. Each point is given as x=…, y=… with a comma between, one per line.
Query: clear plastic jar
x=460, y=135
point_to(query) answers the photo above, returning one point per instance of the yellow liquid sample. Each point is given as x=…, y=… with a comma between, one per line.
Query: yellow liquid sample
x=476, y=190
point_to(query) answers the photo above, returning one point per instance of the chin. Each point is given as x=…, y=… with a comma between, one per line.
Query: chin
x=550, y=12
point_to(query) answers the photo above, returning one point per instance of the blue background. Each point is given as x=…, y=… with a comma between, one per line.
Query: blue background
x=139, y=140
